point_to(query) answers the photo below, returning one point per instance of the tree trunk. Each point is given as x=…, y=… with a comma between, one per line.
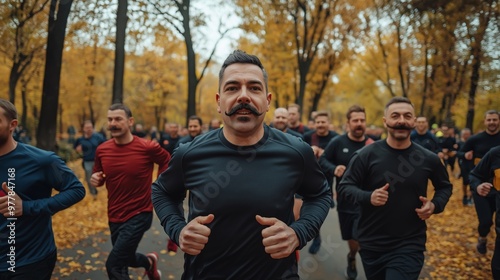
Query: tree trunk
x=121, y=28
x=476, y=51
x=13, y=78
x=191, y=62
x=192, y=78
x=474, y=80
x=46, y=131
x=60, y=112
x=24, y=101
x=426, y=79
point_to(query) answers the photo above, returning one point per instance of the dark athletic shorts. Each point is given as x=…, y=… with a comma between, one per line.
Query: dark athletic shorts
x=348, y=225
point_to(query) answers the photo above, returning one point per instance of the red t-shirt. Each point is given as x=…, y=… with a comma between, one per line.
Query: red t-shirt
x=129, y=171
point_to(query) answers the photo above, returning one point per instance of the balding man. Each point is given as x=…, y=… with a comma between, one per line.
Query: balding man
x=280, y=122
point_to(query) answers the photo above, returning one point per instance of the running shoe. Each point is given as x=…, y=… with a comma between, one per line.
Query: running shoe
x=351, y=273
x=481, y=245
x=153, y=273
x=316, y=244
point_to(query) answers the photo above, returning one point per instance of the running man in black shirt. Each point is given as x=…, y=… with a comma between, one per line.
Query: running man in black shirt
x=388, y=179
x=333, y=162
x=241, y=181
x=465, y=167
x=318, y=139
x=474, y=149
x=485, y=180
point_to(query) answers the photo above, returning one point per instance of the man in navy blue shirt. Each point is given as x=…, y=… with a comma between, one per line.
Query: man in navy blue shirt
x=86, y=146
x=28, y=175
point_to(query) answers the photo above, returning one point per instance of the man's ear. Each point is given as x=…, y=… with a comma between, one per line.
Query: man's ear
x=217, y=99
x=13, y=125
x=269, y=97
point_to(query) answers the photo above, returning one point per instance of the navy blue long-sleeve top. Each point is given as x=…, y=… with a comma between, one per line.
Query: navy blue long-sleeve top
x=32, y=174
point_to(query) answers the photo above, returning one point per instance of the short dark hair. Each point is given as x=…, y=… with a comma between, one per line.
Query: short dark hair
x=9, y=108
x=86, y=122
x=294, y=105
x=354, y=108
x=398, y=99
x=194, y=117
x=239, y=56
x=491, y=112
x=120, y=106
x=322, y=114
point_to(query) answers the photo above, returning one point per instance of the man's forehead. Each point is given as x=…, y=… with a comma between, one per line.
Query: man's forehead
x=116, y=113
x=491, y=116
x=247, y=71
x=322, y=118
x=401, y=108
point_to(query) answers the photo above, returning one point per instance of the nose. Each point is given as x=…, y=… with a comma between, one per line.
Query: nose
x=243, y=96
x=401, y=119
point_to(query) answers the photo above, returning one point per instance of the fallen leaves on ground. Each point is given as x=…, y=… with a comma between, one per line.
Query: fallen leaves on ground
x=451, y=241
x=84, y=219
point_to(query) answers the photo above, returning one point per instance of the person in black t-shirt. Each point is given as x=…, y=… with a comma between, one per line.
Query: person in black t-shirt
x=485, y=180
x=194, y=127
x=280, y=122
x=474, y=149
x=388, y=179
x=241, y=181
x=294, y=122
x=465, y=167
x=318, y=139
x=170, y=137
x=334, y=162
x=448, y=145
x=424, y=137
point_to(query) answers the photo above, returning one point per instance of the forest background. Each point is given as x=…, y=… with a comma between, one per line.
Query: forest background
x=65, y=61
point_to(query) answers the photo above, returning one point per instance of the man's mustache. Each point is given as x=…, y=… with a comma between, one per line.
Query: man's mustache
x=113, y=128
x=400, y=127
x=241, y=106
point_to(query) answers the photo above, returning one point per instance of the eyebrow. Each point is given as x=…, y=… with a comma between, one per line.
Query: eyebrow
x=236, y=82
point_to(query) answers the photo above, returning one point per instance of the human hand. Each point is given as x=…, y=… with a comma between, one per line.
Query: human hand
x=11, y=205
x=194, y=235
x=317, y=151
x=339, y=170
x=97, y=179
x=79, y=149
x=426, y=210
x=484, y=188
x=278, y=238
x=380, y=196
x=468, y=155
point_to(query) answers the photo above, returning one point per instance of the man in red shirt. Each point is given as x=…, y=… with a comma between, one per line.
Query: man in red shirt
x=125, y=163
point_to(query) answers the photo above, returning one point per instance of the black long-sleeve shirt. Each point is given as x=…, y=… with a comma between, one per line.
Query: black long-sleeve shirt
x=426, y=140
x=236, y=184
x=395, y=224
x=487, y=170
x=480, y=144
x=338, y=152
